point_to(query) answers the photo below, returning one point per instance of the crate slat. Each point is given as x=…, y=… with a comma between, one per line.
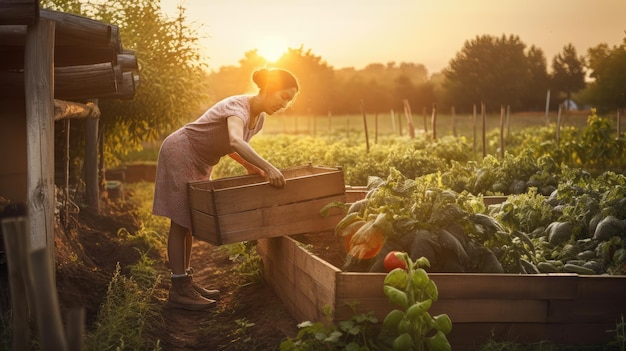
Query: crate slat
x=244, y=208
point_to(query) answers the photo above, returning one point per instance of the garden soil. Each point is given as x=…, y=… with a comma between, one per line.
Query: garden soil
x=246, y=317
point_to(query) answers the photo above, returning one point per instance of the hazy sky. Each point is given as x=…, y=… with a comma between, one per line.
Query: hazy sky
x=354, y=33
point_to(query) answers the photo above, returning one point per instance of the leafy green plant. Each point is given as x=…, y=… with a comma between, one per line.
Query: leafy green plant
x=124, y=316
x=249, y=264
x=357, y=333
x=413, y=328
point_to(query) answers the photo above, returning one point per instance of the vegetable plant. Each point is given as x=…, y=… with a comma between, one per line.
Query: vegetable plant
x=411, y=327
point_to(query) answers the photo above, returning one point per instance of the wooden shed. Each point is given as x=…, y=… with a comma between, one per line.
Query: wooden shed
x=54, y=67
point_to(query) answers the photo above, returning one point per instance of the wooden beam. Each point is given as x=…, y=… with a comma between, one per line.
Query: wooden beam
x=83, y=82
x=38, y=81
x=74, y=30
x=127, y=60
x=75, y=110
x=19, y=12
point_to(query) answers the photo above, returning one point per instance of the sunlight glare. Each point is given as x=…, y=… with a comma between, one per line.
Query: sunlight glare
x=272, y=48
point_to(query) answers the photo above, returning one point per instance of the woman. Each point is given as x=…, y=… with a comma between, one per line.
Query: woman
x=190, y=153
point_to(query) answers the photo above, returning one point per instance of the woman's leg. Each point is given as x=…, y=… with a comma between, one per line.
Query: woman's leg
x=188, y=245
x=176, y=248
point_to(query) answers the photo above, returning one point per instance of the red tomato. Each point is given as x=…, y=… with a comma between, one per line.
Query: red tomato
x=391, y=261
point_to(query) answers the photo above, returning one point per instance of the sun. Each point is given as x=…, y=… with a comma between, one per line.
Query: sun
x=272, y=48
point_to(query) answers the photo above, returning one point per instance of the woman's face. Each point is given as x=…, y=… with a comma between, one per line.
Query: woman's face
x=278, y=100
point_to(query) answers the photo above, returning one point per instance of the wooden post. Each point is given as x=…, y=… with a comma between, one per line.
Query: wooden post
x=367, y=139
x=483, y=115
x=508, y=121
x=547, y=105
x=15, y=235
x=66, y=191
x=49, y=323
x=474, y=126
x=434, y=121
x=558, y=127
x=92, y=188
x=39, y=88
x=502, y=132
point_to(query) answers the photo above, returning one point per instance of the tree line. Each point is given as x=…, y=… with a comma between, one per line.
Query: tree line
x=176, y=86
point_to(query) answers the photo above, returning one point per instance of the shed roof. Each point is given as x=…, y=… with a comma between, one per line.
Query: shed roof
x=89, y=60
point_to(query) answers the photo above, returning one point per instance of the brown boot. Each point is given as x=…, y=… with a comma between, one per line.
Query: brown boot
x=183, y=295
x=206, y=293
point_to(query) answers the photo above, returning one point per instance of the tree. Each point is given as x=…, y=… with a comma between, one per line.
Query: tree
x=172, y=81
x=539, y=81
x=607, y=69
x=490, y=70
x=568, y=72
x=315, y=78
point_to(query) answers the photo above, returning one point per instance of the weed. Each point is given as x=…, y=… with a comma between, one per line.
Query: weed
x=249, y=264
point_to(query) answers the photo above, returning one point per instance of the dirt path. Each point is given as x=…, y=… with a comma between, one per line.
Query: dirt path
x=247, y=317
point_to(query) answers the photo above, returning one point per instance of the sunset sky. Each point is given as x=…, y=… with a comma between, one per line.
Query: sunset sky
x=354, y=33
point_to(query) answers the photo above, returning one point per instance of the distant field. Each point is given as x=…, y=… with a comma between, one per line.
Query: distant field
x=383, y=123
x=320, y=126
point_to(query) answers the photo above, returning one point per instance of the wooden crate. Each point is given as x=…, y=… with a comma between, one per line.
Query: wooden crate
x=243, y=208
x=560, y=308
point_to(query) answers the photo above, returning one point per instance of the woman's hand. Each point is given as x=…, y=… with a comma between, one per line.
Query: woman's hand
x=246, y=153
x=275, y=177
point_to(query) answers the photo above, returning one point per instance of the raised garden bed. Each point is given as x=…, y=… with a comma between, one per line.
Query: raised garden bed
x=564, y=308
x=560, y=308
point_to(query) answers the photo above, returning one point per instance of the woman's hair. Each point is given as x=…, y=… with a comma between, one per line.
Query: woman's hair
x=274, y=79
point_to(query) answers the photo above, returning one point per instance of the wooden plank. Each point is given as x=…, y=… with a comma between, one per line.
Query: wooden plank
x=78, y=30
x=259, y=195
x=205, y=228
x=38, y=81
x=263, y=223
x=264, y=195
x=506, y=286
x=492, y=310
x=595, y=286
x=18, y=12
x=302, y=226
x=597, y=310
x=275, y=216
x=502, y=286
x=459, y=310
x=360, y=285
x=583, y=333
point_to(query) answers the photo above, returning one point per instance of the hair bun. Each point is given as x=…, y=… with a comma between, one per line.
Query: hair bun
x=260, y=77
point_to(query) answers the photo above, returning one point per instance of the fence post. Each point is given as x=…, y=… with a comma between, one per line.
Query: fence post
x=367, y=139
x=434, y=121
x=502, y=132
x=484, y=118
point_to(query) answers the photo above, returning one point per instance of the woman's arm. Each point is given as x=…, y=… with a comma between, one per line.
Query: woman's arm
x=235, y=134
x=252, y=169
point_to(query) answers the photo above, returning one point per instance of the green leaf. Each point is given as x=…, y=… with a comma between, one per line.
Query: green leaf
x=438, y=342
x=443, y=323
x=419, y=279
x=396, y=296
x=418, y=308
x=396, y=278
